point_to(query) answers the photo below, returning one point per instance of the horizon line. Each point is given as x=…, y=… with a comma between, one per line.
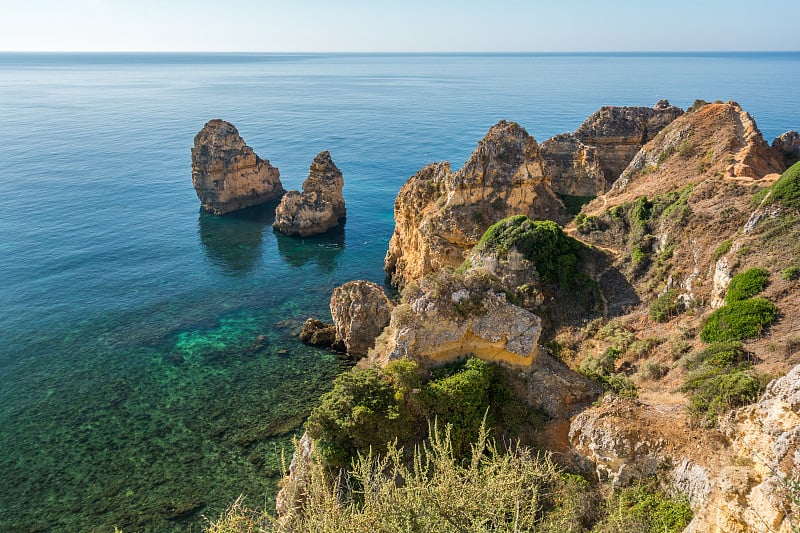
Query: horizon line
x=408, y=52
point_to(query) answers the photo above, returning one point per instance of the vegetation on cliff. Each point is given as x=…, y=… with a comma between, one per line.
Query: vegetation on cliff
x=433, y=488
x=369, y=408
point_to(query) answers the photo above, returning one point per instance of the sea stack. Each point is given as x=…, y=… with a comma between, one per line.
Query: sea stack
x=227, y=174
x=319, y=207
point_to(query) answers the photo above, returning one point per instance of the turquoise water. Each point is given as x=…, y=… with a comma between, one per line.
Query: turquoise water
x=132, y=392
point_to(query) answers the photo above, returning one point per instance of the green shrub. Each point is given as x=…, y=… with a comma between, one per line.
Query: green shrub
x=666, y=306
x=747, y=284
x=739, y=320
x=654, y=370
x=790, y=274
x=369, y=408
x=716, y=391
x=723, y=248
x=643, y=508
x=574, y=204
x=720, y=355
x=696, y=105
x=786, y=191
x=363, y=410
x=553, y=253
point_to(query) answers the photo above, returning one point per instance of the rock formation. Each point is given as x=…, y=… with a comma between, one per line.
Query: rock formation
x=317, y=333
x=617, y=133
x=319, y=207
x=788, y=145
x=227, y=174
x=447, y=316
x=360, y=311
x=574, y=168
x=440, y=215
x=735, y=483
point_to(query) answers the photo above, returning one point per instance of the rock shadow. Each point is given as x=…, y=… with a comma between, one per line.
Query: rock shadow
x=234, y=241
x=321, y=249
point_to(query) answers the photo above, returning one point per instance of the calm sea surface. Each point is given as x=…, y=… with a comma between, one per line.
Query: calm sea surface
x=131, y=392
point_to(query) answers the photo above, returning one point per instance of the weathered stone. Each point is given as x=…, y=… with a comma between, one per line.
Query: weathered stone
x=227, y=174
x=788, y=145
x=294, y=486
x=319, y=207
x=440, y=216
x=446, y=318
x=318, y=333
x=360, y=311
x=573, y=167
x=617, y=133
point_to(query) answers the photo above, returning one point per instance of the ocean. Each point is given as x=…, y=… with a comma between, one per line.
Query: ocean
x=133, y=392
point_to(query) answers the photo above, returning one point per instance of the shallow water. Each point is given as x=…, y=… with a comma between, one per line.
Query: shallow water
x=132, y=390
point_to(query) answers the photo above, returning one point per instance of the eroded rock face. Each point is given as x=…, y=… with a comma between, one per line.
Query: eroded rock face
x=319, y=207
x=749, y=493
x=446, y=317
x=735, y=482
x=360, y=311
x=617, y=133
x=573, y=167
x=227, y=174
x=294, y=486
x=788, y=145
x=439, y=215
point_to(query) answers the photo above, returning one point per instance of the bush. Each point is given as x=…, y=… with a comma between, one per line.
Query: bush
x=786, y=191
x=654, y=370
x=790, y=274
x=723, y=248
x=716, y=391
x=719, y=355
x=553, y=253
x=643, y=508
x=666, y=306
x=369, y=408
x=739, y=320
x=747, y=284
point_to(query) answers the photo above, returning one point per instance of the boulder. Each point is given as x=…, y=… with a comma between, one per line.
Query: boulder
x=317, y=333
x=360, y=311
x=440, y=215
x=319, y=207
x=788, y=146
x=227, y=174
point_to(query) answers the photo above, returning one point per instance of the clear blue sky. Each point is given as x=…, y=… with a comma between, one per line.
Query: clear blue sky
x=403, y=25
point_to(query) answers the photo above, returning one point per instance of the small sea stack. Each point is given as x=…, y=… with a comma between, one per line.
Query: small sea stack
x=227, y=174
x=319, y=207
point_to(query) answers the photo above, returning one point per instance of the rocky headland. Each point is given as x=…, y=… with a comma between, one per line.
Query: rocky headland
x=227, y=174
x=654, y=332
x=319, y=207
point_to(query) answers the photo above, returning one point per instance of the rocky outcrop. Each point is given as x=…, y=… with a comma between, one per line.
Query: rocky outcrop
x=227, y=174
x=360, y=311
x=736, y=480
x=439, y=214
x=447, y=316
x=788, y=145
x=617, y=133
x=293, y=487
x=319, y=207
x=750, y=492
x=317, y=333
x=574, y=168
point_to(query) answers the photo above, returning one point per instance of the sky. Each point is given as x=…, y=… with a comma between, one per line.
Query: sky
x=398, y=26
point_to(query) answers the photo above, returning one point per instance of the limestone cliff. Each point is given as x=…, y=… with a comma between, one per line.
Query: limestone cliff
x=573, y=167
x=319, y=207
x=737, y=480
x=440, y=215
x=360, y=311
x=617, y=133
x=227, y=174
